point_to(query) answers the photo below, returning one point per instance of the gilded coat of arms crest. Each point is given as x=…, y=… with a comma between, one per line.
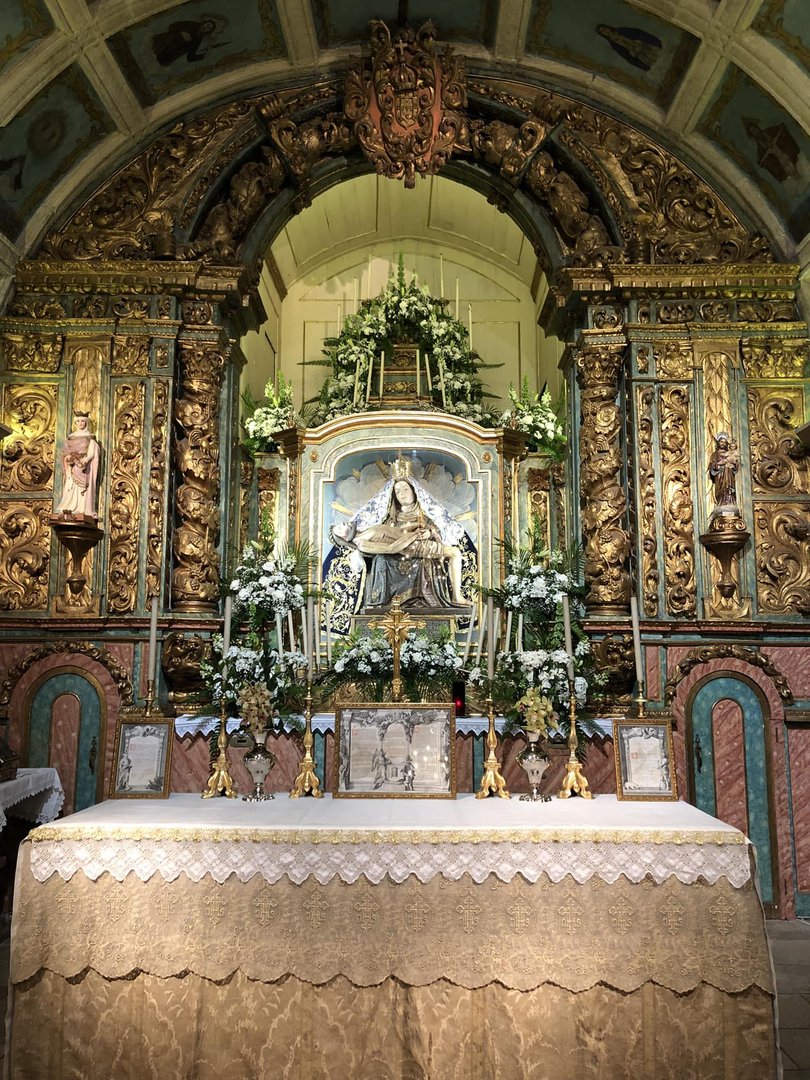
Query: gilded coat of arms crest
x=406, y=105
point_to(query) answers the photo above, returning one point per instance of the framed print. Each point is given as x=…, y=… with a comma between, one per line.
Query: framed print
x=401, y=750
x=645, y=761
x=142, y=758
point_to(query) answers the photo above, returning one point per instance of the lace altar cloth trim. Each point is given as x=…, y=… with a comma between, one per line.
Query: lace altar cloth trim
x=520, y=934
x=35, y=794
x=273, y=859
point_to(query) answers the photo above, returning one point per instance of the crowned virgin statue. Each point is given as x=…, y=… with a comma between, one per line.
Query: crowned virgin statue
x=80, y=459
x=404, y=543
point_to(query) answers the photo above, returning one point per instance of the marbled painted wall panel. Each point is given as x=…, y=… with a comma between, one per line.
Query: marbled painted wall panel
x=652, y=673
x=794, y=663
x=799, y=746
x=65, y=720
x=729, y=764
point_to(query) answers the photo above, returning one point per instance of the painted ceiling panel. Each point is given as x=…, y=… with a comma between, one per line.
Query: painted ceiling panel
x=613, y=39
x=765, y=142
x=22, y=24
x=203, y=37
x=345, y=22
x=41, y=143
x=787, y=24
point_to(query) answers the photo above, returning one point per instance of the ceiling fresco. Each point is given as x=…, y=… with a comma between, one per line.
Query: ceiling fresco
x=725, y=84
x=22, y=24
x=615, y=40
x=194, y=41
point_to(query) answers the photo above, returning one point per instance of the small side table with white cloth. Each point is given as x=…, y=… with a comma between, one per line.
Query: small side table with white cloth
x=427, y=938
x=34, y=794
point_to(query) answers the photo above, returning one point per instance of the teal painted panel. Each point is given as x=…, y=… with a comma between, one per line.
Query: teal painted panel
x=319, y=747
x=39, y=733
x=756, y=767
x=479, y=745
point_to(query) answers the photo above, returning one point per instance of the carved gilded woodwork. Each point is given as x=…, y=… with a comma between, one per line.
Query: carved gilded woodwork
x=613, y=655
x=707, y=653
x=406, y=106
x=116, y=669
x=78, y=539
x=604, y=505
x=648, y=506
x=782, y=539
x=779, y=462
x=32, y=352
x=680, y=586
x=674, y=360
x=247, y=468
x=716, y=394
x=775, y=358
x=25, y=546
x=27, y=455
x=195, y=577
x=301, y=146
x=181, y=657
x=124, y=514
x=157, y=480
x=250, y=189
x=34, y=307
x=87, y=359
x=269, y=484
x=765, y=311
x=538, y=486
x=130, y=355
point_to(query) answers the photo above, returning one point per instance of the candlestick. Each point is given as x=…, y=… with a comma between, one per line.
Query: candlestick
x=152, y=668
x=356, y=380
x=382, y=370
x=569, y=645
x=306, y=630
x=427, y=375
x=457, y=300
x=636, y=641
x=368, y=381
x=492, y=641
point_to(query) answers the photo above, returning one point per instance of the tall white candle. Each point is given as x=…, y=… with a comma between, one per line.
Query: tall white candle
x=427, y=374
x=382, y=372
x=316, y=635
x=151, y=670
x=508, y=630
x=329, y=633
x=457, y=307
x=469, y=320
x=291, y=631
x=480, y=645
x=569, y=645
x=636, y=640
x=309, y=633
x=279, y=636
x=519, y=642
x=468, y=640
x=440, y=367
x=441, y=277
x=226, y=636
x=418, y=375
x=492, y=641
x=370, y=372
x=356, y=380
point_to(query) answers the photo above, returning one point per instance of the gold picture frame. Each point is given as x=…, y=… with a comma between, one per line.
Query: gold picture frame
x=399, y=750
x=142, y=757
x=645, y=759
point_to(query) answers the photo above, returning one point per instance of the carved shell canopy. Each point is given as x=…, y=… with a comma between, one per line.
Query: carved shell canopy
x=212, y=187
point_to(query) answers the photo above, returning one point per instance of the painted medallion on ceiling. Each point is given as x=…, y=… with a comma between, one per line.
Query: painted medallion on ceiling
x=22, y=24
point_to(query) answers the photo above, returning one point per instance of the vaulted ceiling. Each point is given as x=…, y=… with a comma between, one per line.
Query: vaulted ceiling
x=86, y=83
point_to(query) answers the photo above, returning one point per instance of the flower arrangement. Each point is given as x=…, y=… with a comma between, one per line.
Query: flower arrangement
x=536, y=713
x=257, y=679
x=427, y=665
x=272, y=414
x=266, y=585
x=537, y=418
x=403, y=312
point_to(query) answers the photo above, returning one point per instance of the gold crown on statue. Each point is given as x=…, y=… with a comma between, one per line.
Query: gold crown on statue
x=401, y=469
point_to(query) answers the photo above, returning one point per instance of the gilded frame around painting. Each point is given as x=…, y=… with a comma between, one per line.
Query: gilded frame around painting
x=142, y=758
x=645, y=760
x=399, y=750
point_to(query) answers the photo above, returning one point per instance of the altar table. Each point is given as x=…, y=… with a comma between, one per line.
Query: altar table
x=398, y=938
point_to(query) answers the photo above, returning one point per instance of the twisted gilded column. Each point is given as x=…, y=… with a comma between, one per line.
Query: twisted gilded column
x=602, y=495
x=195, y=577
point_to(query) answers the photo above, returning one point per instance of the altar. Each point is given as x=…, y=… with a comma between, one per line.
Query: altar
x=327, y=938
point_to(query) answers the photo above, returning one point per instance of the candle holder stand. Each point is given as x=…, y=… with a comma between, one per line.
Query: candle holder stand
x=640, y=701
x=574, y=781
x=307, y=782
x=492, y=782
x=220, y=780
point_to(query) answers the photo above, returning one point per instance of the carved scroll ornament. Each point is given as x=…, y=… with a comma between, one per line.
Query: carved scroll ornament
x=33, y=352
x=25, y=545
x=775, y=358
x=604, y=506
x=648, y=507
x=157, y=482
x=680, y=588
x=28, y=453
x=125, y=497
x=782, y=533
x=116, y=669
x=707, y=653
x=779, y=463
x=407, y=108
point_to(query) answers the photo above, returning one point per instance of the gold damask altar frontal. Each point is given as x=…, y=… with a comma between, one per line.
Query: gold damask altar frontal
x=575, y=936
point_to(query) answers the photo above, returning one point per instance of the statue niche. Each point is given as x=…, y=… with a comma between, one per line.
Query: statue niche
x=402, y=542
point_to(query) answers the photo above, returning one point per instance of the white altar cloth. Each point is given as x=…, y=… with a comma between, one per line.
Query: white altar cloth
x=34, y=794
x=326, y=838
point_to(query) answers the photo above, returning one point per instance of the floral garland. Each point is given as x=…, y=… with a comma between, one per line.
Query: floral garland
x=403, y=312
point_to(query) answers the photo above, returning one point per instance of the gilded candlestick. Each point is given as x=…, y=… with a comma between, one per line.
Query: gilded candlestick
x=307, y=782
x=492, y=782
x=220, y=780
x=574, y=781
